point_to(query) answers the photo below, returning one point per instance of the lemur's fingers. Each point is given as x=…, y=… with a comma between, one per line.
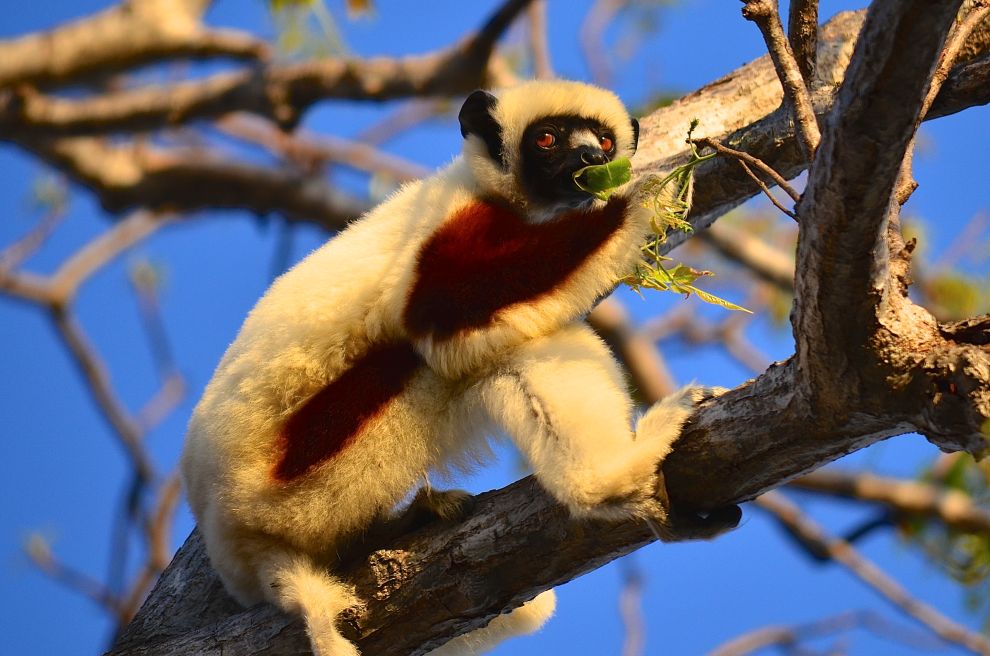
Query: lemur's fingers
x=681, y=526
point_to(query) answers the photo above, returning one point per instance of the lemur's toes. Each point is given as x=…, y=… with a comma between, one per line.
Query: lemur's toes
x=445, y=505
x=710, y=392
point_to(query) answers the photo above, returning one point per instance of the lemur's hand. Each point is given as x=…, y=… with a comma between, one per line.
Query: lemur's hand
x=663, y=424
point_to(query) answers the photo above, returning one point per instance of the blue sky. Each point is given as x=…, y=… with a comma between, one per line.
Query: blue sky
x=63, y=472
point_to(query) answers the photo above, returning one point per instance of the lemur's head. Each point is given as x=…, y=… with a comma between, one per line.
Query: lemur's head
x=525, y=144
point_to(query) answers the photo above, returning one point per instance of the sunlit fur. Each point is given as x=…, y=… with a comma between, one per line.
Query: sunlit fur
x=535, y=372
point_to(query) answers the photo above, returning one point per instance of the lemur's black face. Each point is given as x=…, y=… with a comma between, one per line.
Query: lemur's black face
x=554, y=148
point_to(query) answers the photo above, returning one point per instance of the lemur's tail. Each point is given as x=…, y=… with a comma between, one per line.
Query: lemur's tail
x=297, y=585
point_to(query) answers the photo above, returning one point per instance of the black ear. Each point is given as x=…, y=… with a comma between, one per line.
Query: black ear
x=635, y=127
x=476, y=118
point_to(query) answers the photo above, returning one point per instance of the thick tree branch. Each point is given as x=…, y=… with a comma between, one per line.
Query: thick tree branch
x=129, y=176
x=126, y=35
x=844, y=209
x=281, y=93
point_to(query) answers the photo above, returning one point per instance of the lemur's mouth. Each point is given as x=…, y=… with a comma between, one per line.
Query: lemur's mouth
x=599, y=180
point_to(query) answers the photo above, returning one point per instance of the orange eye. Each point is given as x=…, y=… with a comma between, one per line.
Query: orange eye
x=546, y=140
x=606, y=143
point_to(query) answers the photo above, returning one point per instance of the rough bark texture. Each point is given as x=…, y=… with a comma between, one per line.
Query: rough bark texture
x=869, y=365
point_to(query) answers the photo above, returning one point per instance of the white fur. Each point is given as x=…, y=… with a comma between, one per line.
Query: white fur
x=535, y=372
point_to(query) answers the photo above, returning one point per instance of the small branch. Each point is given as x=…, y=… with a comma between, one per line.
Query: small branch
x=15, y=254
x=39, y=552
x=124, y=234
x=747, y=159
x=906, y=498
x=650, y=376
x=591, y=38
x=631, y=611
x=696, y=331
x=766, y=16
x=802, y=32
x=538, y=40
x=407, y=116
x=157, y=532
x=978, y=12
x=97, y=378
x=800, y=525
x=311, y=150
x=790, y=636
x=764, y=261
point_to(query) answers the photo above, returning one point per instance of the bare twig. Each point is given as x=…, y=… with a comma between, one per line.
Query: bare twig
x=951, y=507
x=538, y=41
x=39, y=552
x=697, y=331
x=796, y=522
x=979, y=10
x=96, y=254
x=766, y=16
x=802, y=31
x=747, y=159
x=789, y=636
x=764, y=261
x=15, y=254
x=97, y=379
x=408, y=115
x=157, y=531
x=631, y=611
x=311, y=150
x=593, y=28
x=651, y=378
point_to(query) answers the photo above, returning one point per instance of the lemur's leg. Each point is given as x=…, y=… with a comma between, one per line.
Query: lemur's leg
x=563, y=400
x=523, y=620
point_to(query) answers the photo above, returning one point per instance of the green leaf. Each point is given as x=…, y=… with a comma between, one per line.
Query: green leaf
x=711, y=298
x=599, y=179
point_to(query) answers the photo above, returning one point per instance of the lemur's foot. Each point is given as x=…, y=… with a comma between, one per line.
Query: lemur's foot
x=444, y=505
x=679, y=526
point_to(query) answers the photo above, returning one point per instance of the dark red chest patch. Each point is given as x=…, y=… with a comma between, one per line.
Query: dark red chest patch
x=486, y=258
x=334, y=416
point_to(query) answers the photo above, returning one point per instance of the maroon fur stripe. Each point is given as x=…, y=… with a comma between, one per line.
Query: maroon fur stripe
x=487, y=257
x=334, y=416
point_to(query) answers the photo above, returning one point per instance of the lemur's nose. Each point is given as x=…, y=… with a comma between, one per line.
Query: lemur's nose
x=592, y=156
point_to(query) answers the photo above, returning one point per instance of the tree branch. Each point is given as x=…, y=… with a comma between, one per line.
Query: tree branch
x=129, y=34
x=281, y=93
x=802, y=32
x=129, y=176
x=904, y=498
x=840, y=551
x=767, y=17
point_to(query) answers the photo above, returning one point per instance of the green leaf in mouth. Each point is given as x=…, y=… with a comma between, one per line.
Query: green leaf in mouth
x=600, y=179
